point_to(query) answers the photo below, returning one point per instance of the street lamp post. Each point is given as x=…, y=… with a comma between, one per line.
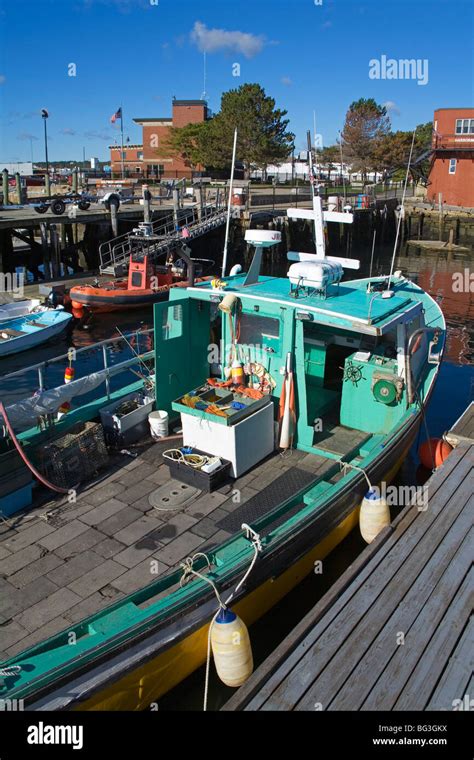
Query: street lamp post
x=44, y=116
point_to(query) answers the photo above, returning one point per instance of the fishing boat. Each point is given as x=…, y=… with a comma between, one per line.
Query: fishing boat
x=19, y=308
x=31, y=330
x=146, y=284
x=313, y=399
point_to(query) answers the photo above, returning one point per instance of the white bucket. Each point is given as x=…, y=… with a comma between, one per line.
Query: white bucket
x=158, y=424
x=333, y=203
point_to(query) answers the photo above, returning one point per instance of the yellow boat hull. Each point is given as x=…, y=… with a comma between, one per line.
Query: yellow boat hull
x=145, y=685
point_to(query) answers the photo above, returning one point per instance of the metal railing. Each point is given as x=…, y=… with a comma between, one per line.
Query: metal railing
x=165, y=235
x=453, y=142
x=109, y=370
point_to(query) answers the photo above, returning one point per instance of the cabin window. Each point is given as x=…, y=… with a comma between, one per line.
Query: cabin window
x=464, y=126
x=172, y=322
x=263, y=333
x=452, y=166
x=136, y=279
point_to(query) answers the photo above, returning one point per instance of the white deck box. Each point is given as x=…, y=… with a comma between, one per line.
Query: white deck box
x=244, y=444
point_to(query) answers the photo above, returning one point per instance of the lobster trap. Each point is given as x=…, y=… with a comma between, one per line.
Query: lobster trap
x=75, y=457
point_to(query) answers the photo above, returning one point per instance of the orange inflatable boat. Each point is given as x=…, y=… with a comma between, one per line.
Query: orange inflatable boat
x=146, y=285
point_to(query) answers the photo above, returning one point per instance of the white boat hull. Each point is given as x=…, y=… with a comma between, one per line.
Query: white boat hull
x=31, y=340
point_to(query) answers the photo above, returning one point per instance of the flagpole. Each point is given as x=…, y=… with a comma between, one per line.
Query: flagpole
x=121, y=134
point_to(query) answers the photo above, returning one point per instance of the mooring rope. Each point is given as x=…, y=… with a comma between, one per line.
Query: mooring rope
x=349, y=466
x=188, y=569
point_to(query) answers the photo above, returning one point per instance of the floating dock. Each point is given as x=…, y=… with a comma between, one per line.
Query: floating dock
x=396, y=631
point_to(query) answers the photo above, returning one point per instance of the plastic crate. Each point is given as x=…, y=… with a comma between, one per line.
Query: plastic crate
x=128, y=428
x=75, y=457
x=19, y=499
x=205, y=481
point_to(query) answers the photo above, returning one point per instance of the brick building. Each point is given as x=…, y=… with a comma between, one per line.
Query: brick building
x=132, y=159
x=452, y=169
x=147, y=159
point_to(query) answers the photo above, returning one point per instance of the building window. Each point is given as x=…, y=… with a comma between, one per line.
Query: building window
x=465, y=126
x=123, y=154
x=452, y=166
x=140, y=155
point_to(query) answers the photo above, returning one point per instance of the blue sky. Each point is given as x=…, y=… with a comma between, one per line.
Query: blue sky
x=309, y=55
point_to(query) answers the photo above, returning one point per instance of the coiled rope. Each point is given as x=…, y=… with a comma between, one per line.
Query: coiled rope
x=193, y=460
x=188, y=570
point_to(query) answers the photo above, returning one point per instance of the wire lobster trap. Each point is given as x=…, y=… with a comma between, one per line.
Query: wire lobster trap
x=75, y=457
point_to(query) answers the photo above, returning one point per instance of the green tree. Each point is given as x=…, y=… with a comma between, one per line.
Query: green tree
x=392, y=152
x=263, y=136
x=366, y=125
x=327, y=157
x=189, y=143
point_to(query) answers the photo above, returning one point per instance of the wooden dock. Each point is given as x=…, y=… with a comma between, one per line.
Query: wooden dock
x=396, y=631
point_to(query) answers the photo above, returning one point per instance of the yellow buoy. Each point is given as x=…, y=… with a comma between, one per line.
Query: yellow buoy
x=231, y=648
x=374, y=515
x=227, y=305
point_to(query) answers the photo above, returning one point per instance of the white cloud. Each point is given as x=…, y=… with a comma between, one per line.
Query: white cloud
x=3, y=79
x=287, y=81
x=93, y=134
x=27, y=136
x=392, y=107
x=67, y=131
x=214, y=40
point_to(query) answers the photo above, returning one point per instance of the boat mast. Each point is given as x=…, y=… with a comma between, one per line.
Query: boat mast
x=388, y=293
x=317, y=214
x=229, y=204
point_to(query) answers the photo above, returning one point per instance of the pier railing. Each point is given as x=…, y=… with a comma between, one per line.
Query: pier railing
x=167, y=235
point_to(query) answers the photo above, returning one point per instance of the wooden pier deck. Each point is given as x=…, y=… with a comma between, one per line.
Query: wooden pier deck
x=396, y=631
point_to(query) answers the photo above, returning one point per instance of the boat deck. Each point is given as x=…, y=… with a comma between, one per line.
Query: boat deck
x=61, y=562
x=396, y=630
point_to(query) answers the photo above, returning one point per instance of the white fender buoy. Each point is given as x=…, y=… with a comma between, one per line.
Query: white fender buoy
x=374, y=515
x=231, y=648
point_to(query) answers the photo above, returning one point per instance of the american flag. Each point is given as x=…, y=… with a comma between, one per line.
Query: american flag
x=117, y=115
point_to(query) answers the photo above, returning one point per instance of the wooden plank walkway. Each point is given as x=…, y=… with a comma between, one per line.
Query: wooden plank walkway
x=396, y=631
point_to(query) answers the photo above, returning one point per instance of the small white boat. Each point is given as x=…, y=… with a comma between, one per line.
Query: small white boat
x=31, y=330
x=14, y=309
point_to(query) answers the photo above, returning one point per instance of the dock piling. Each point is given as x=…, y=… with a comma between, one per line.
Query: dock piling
x=175, y=205
x=114, y=219
x=19, y=193
x=146, y=204
x=46, y=255
x=5, y=186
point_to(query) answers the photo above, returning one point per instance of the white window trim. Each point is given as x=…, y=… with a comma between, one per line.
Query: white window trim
x=454, y=165
x=461, y=122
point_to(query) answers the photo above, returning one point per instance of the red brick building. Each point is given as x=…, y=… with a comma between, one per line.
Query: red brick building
x=452, y=170
x=147, y=159
x=132, y=159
